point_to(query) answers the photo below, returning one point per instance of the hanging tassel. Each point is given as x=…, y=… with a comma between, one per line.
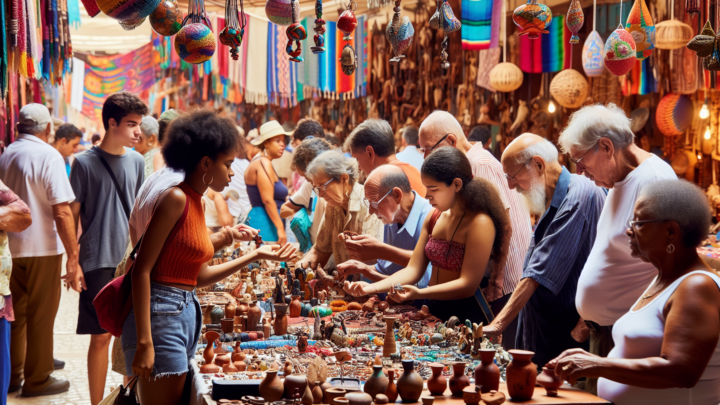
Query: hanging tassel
x=4, y=61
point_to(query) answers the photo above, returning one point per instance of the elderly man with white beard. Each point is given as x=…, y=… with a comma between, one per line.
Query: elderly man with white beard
x=569, y=206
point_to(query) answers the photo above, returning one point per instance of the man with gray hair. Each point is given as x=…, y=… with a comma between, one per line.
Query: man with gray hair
x=600, y=142
x=148, y=145
x=569, y=206
x=388, y=195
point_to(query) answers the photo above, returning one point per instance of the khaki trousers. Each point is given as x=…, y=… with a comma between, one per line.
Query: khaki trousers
x=35, y=287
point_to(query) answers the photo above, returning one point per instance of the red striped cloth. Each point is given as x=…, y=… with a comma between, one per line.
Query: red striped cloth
x=487, y=167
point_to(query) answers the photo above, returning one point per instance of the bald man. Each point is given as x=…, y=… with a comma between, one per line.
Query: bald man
x=569, y=207
x=389, y=196
x=442, y=129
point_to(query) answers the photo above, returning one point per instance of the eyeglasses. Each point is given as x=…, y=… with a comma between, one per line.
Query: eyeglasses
x=423, y=150
x=322, y=188
x=509, y=177
x=631, y=224
x=577, y=162
x=375, y=205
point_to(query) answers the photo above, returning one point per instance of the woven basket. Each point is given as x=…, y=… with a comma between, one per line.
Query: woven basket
x=672, y=34
x=569, y=88
x=674, y=114
x=506, y=77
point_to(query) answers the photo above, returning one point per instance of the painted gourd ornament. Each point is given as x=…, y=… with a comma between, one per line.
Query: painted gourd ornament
x=575, y=20
x=592, y=55
x=295, y=32
x=348, y=60
x=280, y=12
x=127, y=10
x=674, y=114
x=319, y=29
x=195, y=43
x=450, y=23
x=704, y=43
x=346, y=23
x=435, y=19
x=640, y=25
x=235, y=22
x=533, y=19
x=232, y=38
x=399, y=34
x=167, y=18
x=620, y=52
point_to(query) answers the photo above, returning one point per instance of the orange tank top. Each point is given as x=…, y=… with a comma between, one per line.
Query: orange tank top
x=187, y=247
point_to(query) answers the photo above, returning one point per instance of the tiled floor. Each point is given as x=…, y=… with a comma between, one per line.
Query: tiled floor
x=72, y=349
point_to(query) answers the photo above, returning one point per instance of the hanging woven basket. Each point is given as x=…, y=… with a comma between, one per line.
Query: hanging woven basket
x=672, y=34
x=569, y=88
x=127, y=10
x=506, y=77
x=674, y=114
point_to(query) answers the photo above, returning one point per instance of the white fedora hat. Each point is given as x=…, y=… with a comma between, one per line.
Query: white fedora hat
x=269, y=130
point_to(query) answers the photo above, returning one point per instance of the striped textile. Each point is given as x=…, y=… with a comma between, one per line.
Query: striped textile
x=480, y=24
x=362, y=42
x=343, y=83
x=547, y=53
x=487, y=167
x=278, y=64
x=640, y=80
x=256, y=73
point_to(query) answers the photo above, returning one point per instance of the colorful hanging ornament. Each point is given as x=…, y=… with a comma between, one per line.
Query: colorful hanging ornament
x=674, y=114
x=435, y=19
x=167, y=18
x=575, y=20
x=569, y=88
x=592, y=55
x=281, y=12
x=620, y=52
x=506, y=77
x=195, y=42
x=399, y=34
x=532, y=18
x=235, y=22
x=450, y=22
x=129, y=25
x=295, y=32
x=131, y=10
x=319, y=29
x=704, y=43
x=346, y=24
x=640, y=25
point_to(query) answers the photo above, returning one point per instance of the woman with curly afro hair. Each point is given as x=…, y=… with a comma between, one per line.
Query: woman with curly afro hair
x=161, y=333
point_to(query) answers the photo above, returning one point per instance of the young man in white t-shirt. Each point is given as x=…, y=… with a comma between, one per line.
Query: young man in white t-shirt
x=601, y=144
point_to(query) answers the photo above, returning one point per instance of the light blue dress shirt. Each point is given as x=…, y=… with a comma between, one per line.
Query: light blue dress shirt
x=412, y=156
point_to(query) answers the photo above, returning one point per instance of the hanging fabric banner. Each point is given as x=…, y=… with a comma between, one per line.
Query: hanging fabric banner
x=547, y=53
x=640, y=80
x=480, y=24
x=256, y=73
x=78, y=84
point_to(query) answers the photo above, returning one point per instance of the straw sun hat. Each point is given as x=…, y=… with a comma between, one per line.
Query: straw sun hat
x=269, y=130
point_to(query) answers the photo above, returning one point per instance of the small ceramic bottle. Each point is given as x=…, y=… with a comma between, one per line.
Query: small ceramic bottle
x=410, y=384
x=521, y=374
x=459, y=380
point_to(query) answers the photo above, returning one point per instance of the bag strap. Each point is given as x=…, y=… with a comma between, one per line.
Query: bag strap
x=433, y=220
x=118, y=189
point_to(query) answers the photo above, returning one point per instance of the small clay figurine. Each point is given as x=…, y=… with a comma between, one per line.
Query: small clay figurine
x=288, y=368
x=317, y=335
x=302, y=344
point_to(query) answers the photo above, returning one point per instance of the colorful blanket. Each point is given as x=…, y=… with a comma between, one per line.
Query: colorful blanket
x=640, y=80
x=256, y=73
x=549, y=53
x=480, y=24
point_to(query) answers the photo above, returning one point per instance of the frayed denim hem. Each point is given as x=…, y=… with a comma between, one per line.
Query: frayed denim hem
x=157, y=376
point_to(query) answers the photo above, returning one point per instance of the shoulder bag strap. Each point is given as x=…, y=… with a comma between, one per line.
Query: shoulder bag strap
x=433, y=220
x=118, y=189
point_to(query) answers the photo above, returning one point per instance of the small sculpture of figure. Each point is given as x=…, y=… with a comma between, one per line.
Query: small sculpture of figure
x=302, y=344
x=296, y=287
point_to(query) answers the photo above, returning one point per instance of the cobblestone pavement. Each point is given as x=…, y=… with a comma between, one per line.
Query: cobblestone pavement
x=72, y=349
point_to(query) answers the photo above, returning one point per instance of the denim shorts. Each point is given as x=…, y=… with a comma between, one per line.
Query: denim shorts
x=175, y=323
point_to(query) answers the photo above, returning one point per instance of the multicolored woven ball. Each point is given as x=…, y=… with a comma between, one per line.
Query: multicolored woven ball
x=674, y=114
x=620, y=52
x=195, y=43
x=167, y=18
x=132, y=10
x=280, y=12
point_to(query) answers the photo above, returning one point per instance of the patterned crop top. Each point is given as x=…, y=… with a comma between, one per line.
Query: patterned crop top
x=444, y=254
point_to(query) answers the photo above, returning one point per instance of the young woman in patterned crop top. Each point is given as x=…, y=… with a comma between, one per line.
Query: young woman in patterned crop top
x=469, y=229
x=161, y=333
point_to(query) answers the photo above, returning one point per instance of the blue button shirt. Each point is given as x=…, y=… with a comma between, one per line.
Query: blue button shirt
x=558, y=250
x=406, y=237
x=411, y=156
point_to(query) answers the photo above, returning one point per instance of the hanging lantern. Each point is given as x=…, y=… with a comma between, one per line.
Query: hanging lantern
x=232, y=35
x=674, y=114
x=532, y=18
x=195, y=42
x=506, y=77
x=575, y=20
x=620, y=52
x=319, y=29
x=399, y=34
x=592, y=55
x=295, y=32
x=127, y=10
x=281, y=13
x=672, y=34
x=640, y=25
x=569, y=88
x=347, y=22
x=167, y=18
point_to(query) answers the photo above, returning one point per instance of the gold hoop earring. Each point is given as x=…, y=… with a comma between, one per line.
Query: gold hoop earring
x=207, y=184
x=670, y=248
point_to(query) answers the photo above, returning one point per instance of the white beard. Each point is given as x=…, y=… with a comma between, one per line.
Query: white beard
x=535, y=197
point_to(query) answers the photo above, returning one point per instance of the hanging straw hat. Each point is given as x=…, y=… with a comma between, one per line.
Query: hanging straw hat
x=269, y=130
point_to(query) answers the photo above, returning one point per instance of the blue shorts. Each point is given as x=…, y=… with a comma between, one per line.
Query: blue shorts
x=175, y=323
x=259, y=219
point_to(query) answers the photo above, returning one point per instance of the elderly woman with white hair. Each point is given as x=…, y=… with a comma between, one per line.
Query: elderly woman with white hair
x=667, y=349
x=334, y=178
x=148, y=144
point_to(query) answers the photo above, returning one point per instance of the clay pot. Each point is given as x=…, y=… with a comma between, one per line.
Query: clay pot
x=521, y=374
x=437, y=383
x=307, y=398
x=271, y=387
x=487, y=373
x=266, y=327
x=227, y=324
x=392, y=391
x=295, y=306
x=254, y=317
x=381, y=399
x=377, y=382
x=295, y=381
x=493, y=398
x=324, y=387
x=341, y=401
x=209, y=354
x=281, y=322
x=332, y=393
x=230, y=309
x=410, y=384
x=389, y=345
x=242, y=308
x=240, y=365
x=459, y=380
x=238, y=355
x=427, y=400
x=317, y=393
x=369, y=305
x=549, y=381
x=471, y=395
x=359, y=398
x=216, y=314
x=287, y=368
x=222, y=360
x=383, y=306
x=229, y=369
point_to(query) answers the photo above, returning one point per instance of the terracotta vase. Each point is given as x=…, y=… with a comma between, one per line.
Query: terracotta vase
x=392, y=391
x=295, y=306
x=230, y=309
x=222, y=360
x=459, y=380
x=298, y=381
x=410, y=384
x=377, y=383
x=238, y=355
x=317, y=393
x=209, y=354
x=254, y=317
x=307, y=398
x=266, y=327
x=227, y=325
x=487, y=373
x=324, y=387
x=341, y=401
x=389, y=345
x=281, y=322
x=381, y=399
x=521, y=375
x=549, y=381
x=271, y=387
x=287, y=368
x=216, y=314
x=229, y=369
x=359, y=398
x=332, y=393
x=437, y=383
x=242, y=308
x=240, y=365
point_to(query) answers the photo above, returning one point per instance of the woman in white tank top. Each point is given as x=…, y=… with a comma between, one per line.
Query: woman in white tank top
x=666, y=347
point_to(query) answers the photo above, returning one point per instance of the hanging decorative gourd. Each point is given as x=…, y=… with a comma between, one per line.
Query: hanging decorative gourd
x=295, y=32
x=592, y=55
x=449, y=24
x=435, y=19
x=674, y=114
x=167, y=18
x=704, y=43
x=281, y=12
x=346, y=24
x=235, y=22
x=569, y=88
x=127, y=10
x=640, y=25
x=506, y=77
x=575, y=20
x=195, y=42
x=620, y=52
x=533, y=19
x=319, y=29
x=399, y=33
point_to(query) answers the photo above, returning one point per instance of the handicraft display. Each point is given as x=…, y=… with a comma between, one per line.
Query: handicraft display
x=575, y=20
x=620, y=52
x=532, y=18
x=347, y=22
x=319, y=29
x=640, y=25
x=295, y=33
x=195, y=42
x=592, y=55
x=167, y=18
x=235, y=22
x=399, y=33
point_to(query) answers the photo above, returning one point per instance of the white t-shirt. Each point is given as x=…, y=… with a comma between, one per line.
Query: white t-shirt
x=237, y=183
x=303, y=198
x=36, y=172
x=149, y=192
x=612, y=280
